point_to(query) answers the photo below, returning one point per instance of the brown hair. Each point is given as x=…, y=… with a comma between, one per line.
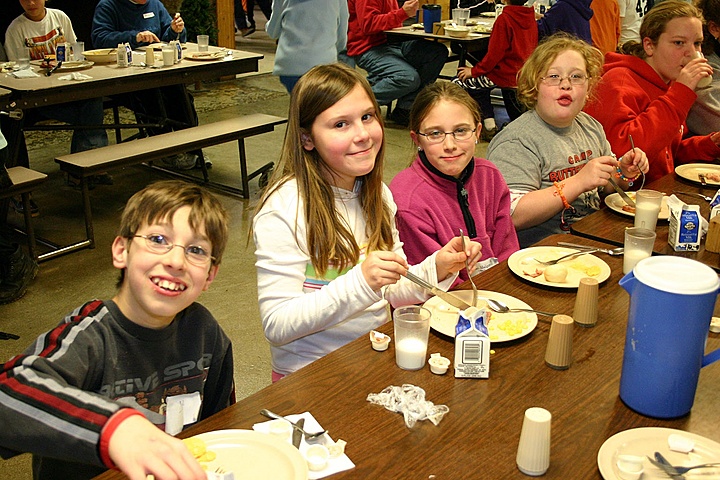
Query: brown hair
x=710, y=9
x=546, y=52
x=432, y=94
x=329, y=239
x=160, y=200
x=655, y=22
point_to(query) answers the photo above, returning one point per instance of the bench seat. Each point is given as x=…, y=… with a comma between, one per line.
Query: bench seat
x=144, y=150
x=25, y=181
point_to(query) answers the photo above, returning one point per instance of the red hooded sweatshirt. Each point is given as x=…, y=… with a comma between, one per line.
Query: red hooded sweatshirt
x=513, y=39
x=632, y=99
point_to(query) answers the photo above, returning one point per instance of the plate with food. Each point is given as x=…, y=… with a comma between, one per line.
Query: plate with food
x=101, y=55
x=644, y=441
x=502, y=327
x=487, y=14
x=483, y=29
x=526, y=264
x=248, y=454
x=615, y=203
x=160, y=45
x=74, y=65
x=205, y=56
x=692, y=172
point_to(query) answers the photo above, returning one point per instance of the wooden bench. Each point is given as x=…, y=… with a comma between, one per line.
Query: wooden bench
x=25, y=181
x=92, y=162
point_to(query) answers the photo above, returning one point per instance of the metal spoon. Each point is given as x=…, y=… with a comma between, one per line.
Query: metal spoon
x=308, y=435
x=500, y=307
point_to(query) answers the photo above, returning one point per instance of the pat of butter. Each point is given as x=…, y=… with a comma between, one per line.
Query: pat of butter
x=678, y=443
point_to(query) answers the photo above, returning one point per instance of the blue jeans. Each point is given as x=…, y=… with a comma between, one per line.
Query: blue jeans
x=82, y=112
x=289, y=81
x=400, y=70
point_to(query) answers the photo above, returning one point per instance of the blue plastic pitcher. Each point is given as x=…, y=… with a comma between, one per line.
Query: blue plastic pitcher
x=431, y=15
x=671, y=304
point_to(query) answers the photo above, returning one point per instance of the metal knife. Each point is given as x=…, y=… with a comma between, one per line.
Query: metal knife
x=448, y=297
x=297, y=433
x=621, y=192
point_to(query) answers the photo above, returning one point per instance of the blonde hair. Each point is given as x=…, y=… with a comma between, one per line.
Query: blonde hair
x=655, y=22
x=537, y=65
x=329, y=239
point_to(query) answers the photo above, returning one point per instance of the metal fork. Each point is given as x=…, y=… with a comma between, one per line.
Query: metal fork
x=569, y=255
x=467, y=269
x=672, y=470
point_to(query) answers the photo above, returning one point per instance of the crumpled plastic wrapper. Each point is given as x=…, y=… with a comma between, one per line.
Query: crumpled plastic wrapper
x=410, y=401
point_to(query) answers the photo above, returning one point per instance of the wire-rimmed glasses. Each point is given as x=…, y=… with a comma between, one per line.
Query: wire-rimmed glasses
x=460, y=133
x=159, y=244
x=555, y=80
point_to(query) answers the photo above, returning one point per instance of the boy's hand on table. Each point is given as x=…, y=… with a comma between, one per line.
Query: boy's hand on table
x=138, y=448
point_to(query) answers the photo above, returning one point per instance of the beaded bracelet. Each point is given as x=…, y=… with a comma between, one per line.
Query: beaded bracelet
x=559, y=193
x=620, y=175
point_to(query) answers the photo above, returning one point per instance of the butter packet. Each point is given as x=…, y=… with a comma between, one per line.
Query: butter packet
x=472, y=344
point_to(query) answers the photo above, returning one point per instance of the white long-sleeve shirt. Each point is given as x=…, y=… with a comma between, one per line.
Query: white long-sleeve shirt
x=305, y=317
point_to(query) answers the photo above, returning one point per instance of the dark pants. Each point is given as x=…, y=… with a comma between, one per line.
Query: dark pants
x=246, y=19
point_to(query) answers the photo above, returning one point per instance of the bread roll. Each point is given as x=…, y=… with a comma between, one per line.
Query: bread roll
x=556, y=273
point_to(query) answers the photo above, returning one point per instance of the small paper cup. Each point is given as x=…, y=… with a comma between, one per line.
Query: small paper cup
x=317, y=457
x=380, y=341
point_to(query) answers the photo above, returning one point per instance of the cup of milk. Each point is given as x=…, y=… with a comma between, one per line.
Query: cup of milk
x=412, y=328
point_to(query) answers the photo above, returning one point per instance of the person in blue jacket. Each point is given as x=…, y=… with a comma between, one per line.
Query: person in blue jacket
x=141, y=23
x=570, y=16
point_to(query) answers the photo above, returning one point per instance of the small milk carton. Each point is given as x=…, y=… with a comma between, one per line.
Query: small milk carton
x=685, y=227
x=472, y=344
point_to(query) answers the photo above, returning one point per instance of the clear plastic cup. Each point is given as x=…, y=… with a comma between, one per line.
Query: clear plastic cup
x=639, y=244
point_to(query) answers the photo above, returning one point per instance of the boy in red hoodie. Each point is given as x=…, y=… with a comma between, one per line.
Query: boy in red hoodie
x=513, y=39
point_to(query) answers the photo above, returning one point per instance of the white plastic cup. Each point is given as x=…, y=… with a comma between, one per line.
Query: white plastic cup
x=168, y=54
x=647, y=208
x=639, y=244
x=533, y=454
x=412, y=327
x=704, y=81
x=149, y=56
x=203, y=41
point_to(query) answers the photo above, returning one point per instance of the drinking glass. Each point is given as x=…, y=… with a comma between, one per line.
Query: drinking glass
x=639, y=244
x=203, y=41
x=647, y=208
x=412, y=327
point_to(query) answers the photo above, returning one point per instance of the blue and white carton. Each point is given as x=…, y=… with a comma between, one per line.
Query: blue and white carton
x=472, y=344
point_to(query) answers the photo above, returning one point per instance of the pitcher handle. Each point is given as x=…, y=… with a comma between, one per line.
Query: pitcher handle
x=711, y=357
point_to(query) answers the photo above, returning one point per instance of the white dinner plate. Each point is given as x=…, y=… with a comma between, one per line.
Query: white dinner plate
x=445, y=316
x=74, y=65
x=487, y=14
x=690, y=172
x=254, y=455
x=205, y=56
x=614, y=202
x=524, y=262
x=646, y=441
x=160, y=45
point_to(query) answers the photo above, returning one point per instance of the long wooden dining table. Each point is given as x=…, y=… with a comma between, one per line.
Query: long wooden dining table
x=609, y=226
x=479, y=436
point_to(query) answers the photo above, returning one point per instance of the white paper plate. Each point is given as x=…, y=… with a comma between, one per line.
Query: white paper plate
x=646, y=441
x=445, y=316
x=253, y=455
x=205, y=56
x=523, y=261
x=615, y=203
x=690, y=172
x=74, y=65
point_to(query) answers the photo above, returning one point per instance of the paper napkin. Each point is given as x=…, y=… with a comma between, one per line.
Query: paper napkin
x=75, y=76
x=335, y=465
x=26, y=73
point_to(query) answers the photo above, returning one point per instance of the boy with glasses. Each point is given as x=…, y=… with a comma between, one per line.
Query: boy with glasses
x=91, y=393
